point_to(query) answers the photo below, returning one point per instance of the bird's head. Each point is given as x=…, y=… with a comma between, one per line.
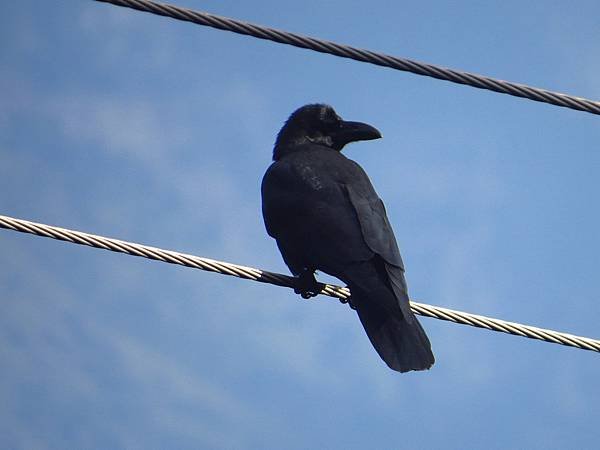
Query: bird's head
x=319, y=124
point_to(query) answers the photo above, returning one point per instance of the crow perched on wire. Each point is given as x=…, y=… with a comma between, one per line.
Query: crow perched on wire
x=325, y=215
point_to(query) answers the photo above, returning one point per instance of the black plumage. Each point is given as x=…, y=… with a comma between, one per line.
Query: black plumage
x=325, y=215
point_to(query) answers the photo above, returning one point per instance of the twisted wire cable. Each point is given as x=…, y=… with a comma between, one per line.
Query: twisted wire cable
x=345, y=51
x=263, y=276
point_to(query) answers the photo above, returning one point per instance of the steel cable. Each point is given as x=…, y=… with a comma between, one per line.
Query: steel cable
x=263, y=276
x=345, y=51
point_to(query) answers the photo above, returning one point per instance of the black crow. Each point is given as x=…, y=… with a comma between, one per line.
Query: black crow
x=325, y=215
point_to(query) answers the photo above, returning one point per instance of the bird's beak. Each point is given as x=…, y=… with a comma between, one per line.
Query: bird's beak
x=354, y=131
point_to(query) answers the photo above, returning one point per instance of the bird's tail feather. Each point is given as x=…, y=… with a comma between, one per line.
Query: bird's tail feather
x=403, y=346
x=384, y=311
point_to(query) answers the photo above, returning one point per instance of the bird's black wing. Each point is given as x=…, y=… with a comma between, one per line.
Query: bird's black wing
x=309, y=213
x=379, y=237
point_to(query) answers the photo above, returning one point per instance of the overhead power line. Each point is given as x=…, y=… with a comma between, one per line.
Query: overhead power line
x=250, y=273
x=345, y=51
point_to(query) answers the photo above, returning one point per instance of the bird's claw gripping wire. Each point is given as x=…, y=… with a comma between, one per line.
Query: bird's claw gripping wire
x=349, y=302
x=306, y=284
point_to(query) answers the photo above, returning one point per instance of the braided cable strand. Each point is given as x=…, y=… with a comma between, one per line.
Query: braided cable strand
x=263, y=276
x=345, y=51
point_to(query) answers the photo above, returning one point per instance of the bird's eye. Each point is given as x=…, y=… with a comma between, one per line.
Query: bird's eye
x=329, y=118
x=333, y=118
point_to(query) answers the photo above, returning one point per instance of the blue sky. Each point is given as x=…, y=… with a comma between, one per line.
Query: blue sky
x=147, y=129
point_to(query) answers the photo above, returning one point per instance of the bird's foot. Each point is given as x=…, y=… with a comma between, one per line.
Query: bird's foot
x=307, y=286
x=349, y=302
